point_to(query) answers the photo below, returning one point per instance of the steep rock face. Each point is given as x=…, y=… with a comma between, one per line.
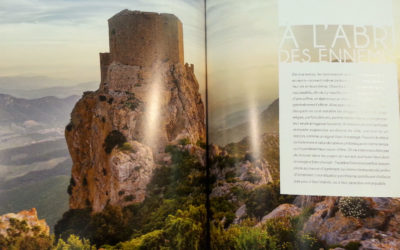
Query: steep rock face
x=118, y=134
x=32, y=222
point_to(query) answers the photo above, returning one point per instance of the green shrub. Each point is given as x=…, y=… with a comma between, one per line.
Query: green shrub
x=253, y=178
x=184, y=141
x=283, y=234
x=86, y=93
x=107, y=227
x=264, y=199
x=132, y=105
x=186, y=228
x=353, y=245
x=102, y=98
x=69, y=127
x=41, y=242
x=183, y=230
x=74, y=221
x=250, y=238
x=19, y=235
x=84, y=182
x=71, y=185
x=74, y=243
x=238, y=237
x=230, y=176
x=110, y=226
x=130, y=197
x=201, y=144
x=240, y=192
x=127, y=147
x=354, y=207
x=308, y=241
x=282, y=231
x=153, y=240
x=278, y=233
x=132, y=102
x=113, y=139
x=222, y=208
x=298, y=221
x=171, y=216
x=224, y=161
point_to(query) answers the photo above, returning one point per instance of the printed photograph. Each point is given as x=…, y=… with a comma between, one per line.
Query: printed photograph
x=150, y=124
x=248, y=210
x=102, y=125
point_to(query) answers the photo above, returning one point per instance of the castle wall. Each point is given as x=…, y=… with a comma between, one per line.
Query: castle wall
x=105, y=61
x=143, y=38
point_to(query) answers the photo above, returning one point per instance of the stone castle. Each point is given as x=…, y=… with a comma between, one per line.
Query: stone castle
x=147, y=99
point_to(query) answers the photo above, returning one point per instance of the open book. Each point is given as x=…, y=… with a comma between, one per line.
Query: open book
x=214, y=125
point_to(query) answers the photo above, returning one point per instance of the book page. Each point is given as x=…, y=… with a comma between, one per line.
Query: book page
x=303, y=124
x=102, y=125
x=339, y=100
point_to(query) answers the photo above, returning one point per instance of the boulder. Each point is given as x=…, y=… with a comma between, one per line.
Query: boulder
x=379, y=230
x=283, y=210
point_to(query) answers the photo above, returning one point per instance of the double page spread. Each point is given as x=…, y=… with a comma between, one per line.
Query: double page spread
x=212, y=124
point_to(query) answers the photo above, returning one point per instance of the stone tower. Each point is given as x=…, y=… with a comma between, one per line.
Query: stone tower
x=142, y=39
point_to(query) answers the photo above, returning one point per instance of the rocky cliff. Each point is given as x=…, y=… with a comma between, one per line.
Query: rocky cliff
x=147, y=100
x=30, y=222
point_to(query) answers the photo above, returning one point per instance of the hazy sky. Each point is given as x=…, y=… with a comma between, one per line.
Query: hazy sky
x=63, y=38
x=242, y=53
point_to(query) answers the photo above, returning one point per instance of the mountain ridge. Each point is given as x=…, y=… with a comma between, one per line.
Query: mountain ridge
x=47, y=111
x=59, y=91
x=268, y=121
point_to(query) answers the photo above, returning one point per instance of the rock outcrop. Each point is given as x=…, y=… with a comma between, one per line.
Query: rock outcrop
x=147, y=100
x=283, y=210
x=235, y=166
x=33, y=224
x=380, y=230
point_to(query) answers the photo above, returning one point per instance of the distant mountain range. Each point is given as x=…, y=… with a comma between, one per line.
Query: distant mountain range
x=45, y=112
x=35, y=175
x=29, y=82
x=33, y=91
x=268, y=122
x=35, y=164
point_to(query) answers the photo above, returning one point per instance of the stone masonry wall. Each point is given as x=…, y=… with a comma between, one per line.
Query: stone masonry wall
x=143, y=38
x=105, y=61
